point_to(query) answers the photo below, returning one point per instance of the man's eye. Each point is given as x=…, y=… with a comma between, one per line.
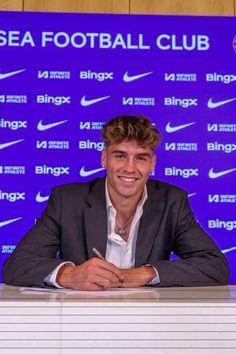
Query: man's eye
x=142, y=158
x=119, y=156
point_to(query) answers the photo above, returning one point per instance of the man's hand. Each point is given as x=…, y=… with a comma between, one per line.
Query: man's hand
x=94, y=274
x=136, y=277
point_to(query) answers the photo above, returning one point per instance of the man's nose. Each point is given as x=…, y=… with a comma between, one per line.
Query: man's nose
x=129, y=165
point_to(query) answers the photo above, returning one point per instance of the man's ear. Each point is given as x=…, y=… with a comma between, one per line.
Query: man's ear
x=153, y=162
x=104, y=158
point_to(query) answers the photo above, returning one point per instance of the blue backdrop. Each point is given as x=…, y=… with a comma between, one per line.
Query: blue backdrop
x=63, y=75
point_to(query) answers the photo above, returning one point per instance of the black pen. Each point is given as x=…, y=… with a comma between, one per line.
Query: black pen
x=101, y=257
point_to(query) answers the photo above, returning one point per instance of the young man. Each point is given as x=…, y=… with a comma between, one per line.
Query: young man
x=134, y=222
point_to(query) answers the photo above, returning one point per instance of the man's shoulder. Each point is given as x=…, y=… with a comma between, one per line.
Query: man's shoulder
x=78, y=187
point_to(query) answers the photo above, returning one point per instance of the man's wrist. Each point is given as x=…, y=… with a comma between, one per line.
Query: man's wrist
x=150, y=273
x=155, y=279
x=50, y=279
x=63, y=275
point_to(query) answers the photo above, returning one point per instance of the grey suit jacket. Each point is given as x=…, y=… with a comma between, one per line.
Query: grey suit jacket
x=75, y=221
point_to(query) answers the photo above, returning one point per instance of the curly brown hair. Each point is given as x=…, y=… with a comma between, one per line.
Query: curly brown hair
x=131, y=127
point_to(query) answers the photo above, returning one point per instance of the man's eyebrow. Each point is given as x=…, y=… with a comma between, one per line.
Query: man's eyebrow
x=144, y=154
x=118, y=152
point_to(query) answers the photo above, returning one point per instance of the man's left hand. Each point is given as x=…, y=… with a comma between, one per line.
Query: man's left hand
x=136, y=277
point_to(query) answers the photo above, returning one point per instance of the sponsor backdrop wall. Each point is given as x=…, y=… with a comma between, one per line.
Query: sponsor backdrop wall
x=63, y=75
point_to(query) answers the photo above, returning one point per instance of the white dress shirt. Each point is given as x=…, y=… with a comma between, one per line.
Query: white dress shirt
x=118, y=251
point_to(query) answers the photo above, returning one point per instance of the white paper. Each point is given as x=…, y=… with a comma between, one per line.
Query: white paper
x=107, y=292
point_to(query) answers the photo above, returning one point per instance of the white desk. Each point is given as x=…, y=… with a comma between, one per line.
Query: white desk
x=168, y=320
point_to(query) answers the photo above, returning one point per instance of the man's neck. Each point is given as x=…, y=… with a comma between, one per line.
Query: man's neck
x=125, y=206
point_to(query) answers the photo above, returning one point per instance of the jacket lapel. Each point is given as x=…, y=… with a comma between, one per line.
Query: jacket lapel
x=149, y=224
x=96, y=219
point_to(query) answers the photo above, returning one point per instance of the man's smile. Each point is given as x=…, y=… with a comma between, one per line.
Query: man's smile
x=128, y=179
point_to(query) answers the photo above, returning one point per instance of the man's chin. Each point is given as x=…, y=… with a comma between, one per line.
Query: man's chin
x=128, y=192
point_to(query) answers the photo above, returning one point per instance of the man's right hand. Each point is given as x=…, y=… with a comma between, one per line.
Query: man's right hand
x=94, y=274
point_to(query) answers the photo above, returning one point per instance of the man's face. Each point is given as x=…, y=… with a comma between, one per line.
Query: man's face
x=128, y=167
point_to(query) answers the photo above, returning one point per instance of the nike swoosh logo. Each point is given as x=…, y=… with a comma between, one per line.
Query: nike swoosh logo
x=84, y=173
x=4, y=223
x=6, y=75
x=84, y=102
x=211, y=104
x=40, y=198
x=213, y=174
x=4, y=145
x=191, y=195
x=42, y=126
x=228, y=250
x=170, y=129
x=129, y=78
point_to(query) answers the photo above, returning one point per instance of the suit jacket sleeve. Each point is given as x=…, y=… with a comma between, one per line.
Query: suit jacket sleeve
x=201, y=263
x=35, y=255
x=67, y=230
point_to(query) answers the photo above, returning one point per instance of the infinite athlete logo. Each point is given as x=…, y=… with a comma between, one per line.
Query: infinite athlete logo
x=222, y=198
